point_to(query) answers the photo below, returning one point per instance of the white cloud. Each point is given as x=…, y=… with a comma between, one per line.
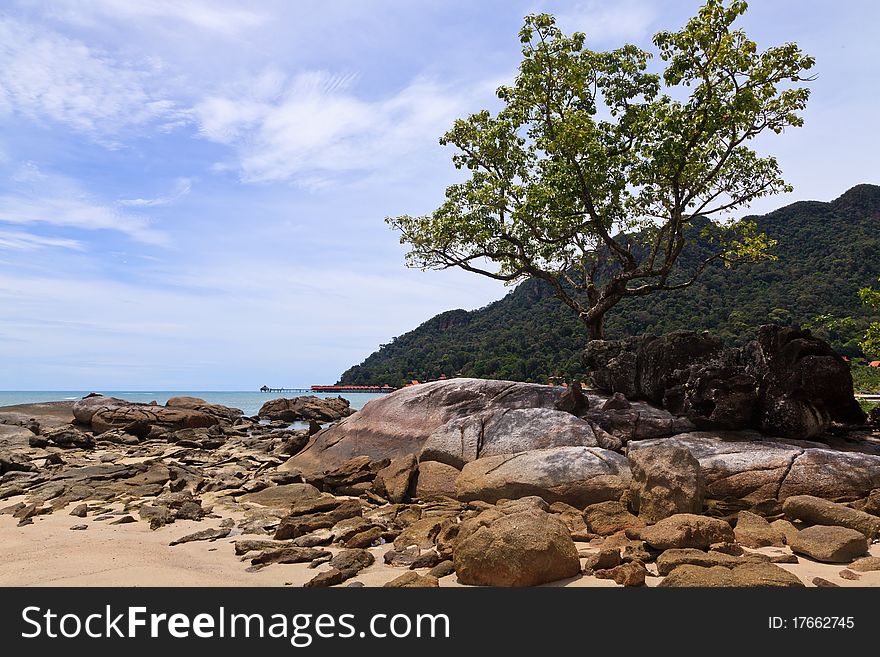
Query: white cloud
x=606, y=22
x=55, y=200
x=211, y=15
x=182, y=187
x=314, y=125
x=44, y=75
x=21, y=241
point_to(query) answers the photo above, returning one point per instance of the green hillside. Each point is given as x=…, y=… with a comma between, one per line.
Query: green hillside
x=826, y=252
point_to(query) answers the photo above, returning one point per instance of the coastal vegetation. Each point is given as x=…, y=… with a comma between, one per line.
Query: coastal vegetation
x=826, y=252
x=597, y=173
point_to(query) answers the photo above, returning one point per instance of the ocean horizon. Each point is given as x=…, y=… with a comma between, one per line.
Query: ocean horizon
x=249, y=401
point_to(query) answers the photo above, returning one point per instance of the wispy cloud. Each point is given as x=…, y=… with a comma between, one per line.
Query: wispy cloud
x=217, y=16
x=182, y=187
x=21, y=241
x=314, y=125
x=47, y=76
x=55, y=200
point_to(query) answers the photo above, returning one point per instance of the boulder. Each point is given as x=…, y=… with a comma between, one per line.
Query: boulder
x=67, y=437
x=304, y=408
x=412, y=579
x=686, y=530
x=576, y=475
x=422, y=533
x=750, y=575
x=637, y=421
x=786, y=382
x=435, y=479
x=746, y=465
x=282, y=497
x=669, y=560
x=400, y=422
x=816, y=511
x=753, y=531
x=106, y=413
x=607, y=518
x=393, y=481
x=505, y=431
x=666, y=480
x=627, y=574
x=829, y=544
x=521, y=549
x=866, y=564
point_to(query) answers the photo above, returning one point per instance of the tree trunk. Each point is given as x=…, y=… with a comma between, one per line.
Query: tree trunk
x=596, y=327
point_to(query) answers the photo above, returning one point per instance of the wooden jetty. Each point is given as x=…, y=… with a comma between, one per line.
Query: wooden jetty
x=374, y=390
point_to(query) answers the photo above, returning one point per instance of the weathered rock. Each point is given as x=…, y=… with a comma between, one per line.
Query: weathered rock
x=846, y=573
x=666, y=480
x=347, y=477
x=505, y=431
x=421, y=533
x=872, y=503
x=669, y=560
x=686, y=530
x=306, y=408
x=753, y=531
x=67, y=437
x=605, y=559
x=404, y=557
x=412, y=579
x=288, y=555
x=606, y=518
x=204, y=535
x=435, y=479
x=816, y=511
x=866, y=564
x=393, y=481
x=638, y=421
x=576, y=475
x=442, y=569
x=365, y=538
x=296, y=525
x=627, y=574
x=829, y=544
x=400, y=422
x=751, y=575
x=821, y=582
x=330, y=577
x=282, y=497
x=80, y=510
x=106, y=413
x=745, y=465
x=573, y=400
x=245, y=546
x=522, y=549
x=352, y=559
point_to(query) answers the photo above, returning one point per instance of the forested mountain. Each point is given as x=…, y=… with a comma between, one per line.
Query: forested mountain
x=826, y=252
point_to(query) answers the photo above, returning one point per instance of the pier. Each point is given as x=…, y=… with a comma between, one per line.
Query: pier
x=372, y=390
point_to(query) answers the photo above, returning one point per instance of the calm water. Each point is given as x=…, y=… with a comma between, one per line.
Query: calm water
x=249, y=402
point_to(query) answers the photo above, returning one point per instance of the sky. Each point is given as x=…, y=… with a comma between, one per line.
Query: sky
x=192, y=193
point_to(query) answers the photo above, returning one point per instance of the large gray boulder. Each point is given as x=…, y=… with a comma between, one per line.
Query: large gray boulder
x=747, y=465
x=521, y=549
x=400, y=422
x=505, y=431
x=578, y=476
x=308, y=407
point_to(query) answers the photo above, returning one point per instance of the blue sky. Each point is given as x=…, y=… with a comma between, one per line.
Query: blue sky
x=192, y=193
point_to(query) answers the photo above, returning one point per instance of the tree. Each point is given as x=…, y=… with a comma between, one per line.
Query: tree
x=592, y=173
x=871, y=342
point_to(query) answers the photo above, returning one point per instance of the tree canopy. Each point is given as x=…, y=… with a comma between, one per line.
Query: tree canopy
x=590, y=175
x=871, y=342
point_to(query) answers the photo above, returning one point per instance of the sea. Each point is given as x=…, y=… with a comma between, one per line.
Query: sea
x=248, y=401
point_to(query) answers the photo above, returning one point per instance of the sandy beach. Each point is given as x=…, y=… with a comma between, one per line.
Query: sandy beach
x=48, y=553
